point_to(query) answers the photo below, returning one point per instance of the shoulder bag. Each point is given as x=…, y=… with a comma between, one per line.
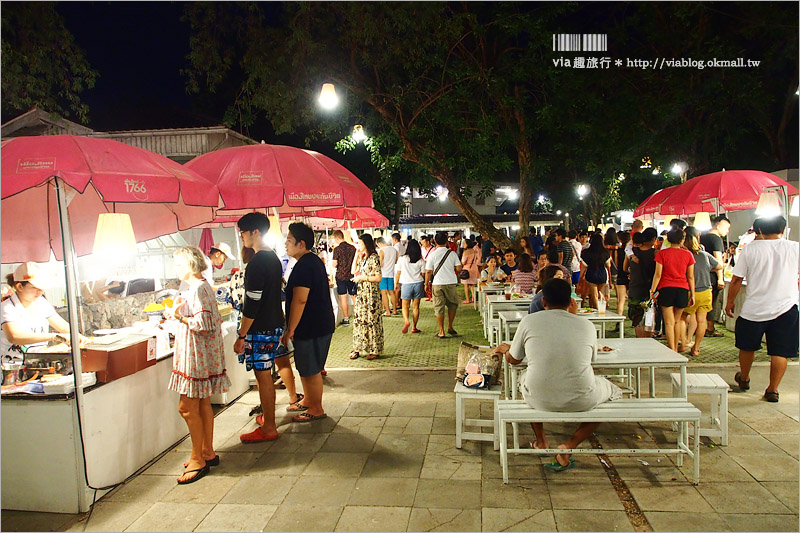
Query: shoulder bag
x=441, y=263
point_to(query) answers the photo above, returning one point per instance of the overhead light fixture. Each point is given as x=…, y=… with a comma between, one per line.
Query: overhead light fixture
x=566, y=214
x=114, y=235
x=621, y=176
x=558, y=212
x=678, y=168
x=513, y=194
x=359, y=135
x=541, y=198
x=656, y=171
x=769, y=204
x=582, y=191
x=328, y=98
x=702, y=221
x=795, y=211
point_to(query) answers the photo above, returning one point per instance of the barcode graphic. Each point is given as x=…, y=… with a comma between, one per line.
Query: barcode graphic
x=576, y=42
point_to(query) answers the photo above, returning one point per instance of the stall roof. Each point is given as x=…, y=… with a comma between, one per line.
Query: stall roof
x=460, y=221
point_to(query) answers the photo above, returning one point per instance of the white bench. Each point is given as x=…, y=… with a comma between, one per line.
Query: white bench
x=467, y=393
x=626, y=410
x=717, y=388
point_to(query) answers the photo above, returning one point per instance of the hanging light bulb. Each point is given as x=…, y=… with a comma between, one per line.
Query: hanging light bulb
x=327, y=96
x=795, y=211
x=702, y=221
x=358, y=133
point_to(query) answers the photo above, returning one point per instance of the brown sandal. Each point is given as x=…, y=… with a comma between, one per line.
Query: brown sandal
x=372, y=356
x=354, y=355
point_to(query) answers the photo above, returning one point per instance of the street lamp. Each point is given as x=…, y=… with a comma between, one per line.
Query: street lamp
x=681, y=169
x=359, y=135
x=541, y=198
x=328, y=98
x=558, y=212
x=583, y=190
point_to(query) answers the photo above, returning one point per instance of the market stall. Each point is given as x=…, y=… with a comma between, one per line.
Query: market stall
x=54, y=191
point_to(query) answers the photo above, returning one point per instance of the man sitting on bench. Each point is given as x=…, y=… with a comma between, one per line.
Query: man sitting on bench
x=557, y=346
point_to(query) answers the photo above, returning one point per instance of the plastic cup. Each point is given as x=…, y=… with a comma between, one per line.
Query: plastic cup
x=601, y=307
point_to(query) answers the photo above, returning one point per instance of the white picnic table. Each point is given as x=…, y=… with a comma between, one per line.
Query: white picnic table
x=497, y=303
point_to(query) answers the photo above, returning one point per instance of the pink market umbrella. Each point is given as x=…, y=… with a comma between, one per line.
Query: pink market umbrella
x=732, y=190
x=291, y=179
x=652, y=203
x=357, y=217
x=98, y=176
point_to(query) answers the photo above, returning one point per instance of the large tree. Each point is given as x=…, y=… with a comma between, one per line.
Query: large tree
x=41, y=63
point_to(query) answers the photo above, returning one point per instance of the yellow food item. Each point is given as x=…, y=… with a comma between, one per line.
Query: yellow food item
x=168, y=302
x=154, y=307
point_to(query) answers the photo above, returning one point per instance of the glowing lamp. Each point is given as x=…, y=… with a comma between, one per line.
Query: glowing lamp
x=114, y=234
x=769, y=204
x=327, y=96
x=702, y=221
x=359, y=135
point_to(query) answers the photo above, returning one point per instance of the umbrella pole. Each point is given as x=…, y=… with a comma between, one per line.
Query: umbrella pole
x=72, y=300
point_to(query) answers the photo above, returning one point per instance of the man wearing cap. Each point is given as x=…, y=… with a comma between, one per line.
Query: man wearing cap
x=216, y=258
x=27, y=316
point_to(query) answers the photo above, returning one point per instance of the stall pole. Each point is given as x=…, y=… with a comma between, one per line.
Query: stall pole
x=72, y=301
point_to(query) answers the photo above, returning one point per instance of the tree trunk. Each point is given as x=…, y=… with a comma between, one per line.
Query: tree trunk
x=397, y=204
x=525, y=159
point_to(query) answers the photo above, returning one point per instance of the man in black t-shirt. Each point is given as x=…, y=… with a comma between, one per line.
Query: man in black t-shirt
x=310, y=321
x=712, y=242
x=343, y=255
x=641, y=268
x=262, y=322
x=565, y=250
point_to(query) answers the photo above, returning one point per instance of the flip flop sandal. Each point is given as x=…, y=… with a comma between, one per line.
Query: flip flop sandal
x=415, y=330
x=440, y=336
x=452, y=332
x=372, y=357
x=308, y=417
x=209, y=462
x=256, y=410
x=354, y=355
x=555, y=466
x=257, y=436
x=296, y=407
x=200, y=473
x=715, y=334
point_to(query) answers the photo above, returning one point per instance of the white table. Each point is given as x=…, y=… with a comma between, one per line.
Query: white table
x=499, y=303
x=635, y=354
x=606, y=318
x=507, y=319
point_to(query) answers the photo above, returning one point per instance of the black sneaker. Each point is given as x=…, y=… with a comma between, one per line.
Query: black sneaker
x=345, y=321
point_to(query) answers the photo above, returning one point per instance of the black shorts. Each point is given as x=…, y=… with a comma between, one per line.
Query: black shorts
x=310, y=355
x=346, y=287
x=673, y=297
x=782, y=338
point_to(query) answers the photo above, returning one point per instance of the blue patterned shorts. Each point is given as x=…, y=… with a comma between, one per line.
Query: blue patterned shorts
x=261, y=349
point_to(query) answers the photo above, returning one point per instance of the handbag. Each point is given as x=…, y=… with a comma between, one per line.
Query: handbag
x=464, y=274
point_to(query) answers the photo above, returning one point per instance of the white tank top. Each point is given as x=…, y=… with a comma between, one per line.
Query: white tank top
x=389, y=260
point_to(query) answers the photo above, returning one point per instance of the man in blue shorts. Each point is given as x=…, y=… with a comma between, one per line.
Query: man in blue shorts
x=262, y=320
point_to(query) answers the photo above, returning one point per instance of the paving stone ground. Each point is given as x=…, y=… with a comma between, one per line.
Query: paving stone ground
x=385, y=460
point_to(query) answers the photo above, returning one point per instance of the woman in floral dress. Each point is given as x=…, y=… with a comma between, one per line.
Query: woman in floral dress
x=198, y=366
x=367, y=323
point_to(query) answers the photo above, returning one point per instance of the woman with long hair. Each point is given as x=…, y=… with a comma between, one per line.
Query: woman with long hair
x=410, y=276
x=492, y=272
x=695, y=315
x=623, y=279
x=469, y=262
x=673, y=284
x=596, y=265
x=524, y=276
x=525, y=244
x=367, y=322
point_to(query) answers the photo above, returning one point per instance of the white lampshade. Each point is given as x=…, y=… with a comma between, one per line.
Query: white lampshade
x=590, y=228
x=769, y=204
x=668, y=219
x=114, y=234
x=795, y=211
x=327, y=96
x=702, y=221
x=645, y=224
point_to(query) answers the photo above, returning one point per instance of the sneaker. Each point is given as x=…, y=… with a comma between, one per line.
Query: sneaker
x=345, y=321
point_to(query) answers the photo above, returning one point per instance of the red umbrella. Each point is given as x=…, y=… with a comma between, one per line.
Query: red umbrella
x=357, y=217
x=266, y=175
x=100, y=176
x=732, y=189
x=653, y=202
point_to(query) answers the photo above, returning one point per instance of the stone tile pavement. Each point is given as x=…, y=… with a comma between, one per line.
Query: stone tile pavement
x=385, y=460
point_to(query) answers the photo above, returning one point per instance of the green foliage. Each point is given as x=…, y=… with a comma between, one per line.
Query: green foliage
x=42, y=66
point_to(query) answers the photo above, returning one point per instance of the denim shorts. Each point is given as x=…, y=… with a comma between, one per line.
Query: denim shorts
x=261, y=348
x=412, y=291
x=387, y=284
